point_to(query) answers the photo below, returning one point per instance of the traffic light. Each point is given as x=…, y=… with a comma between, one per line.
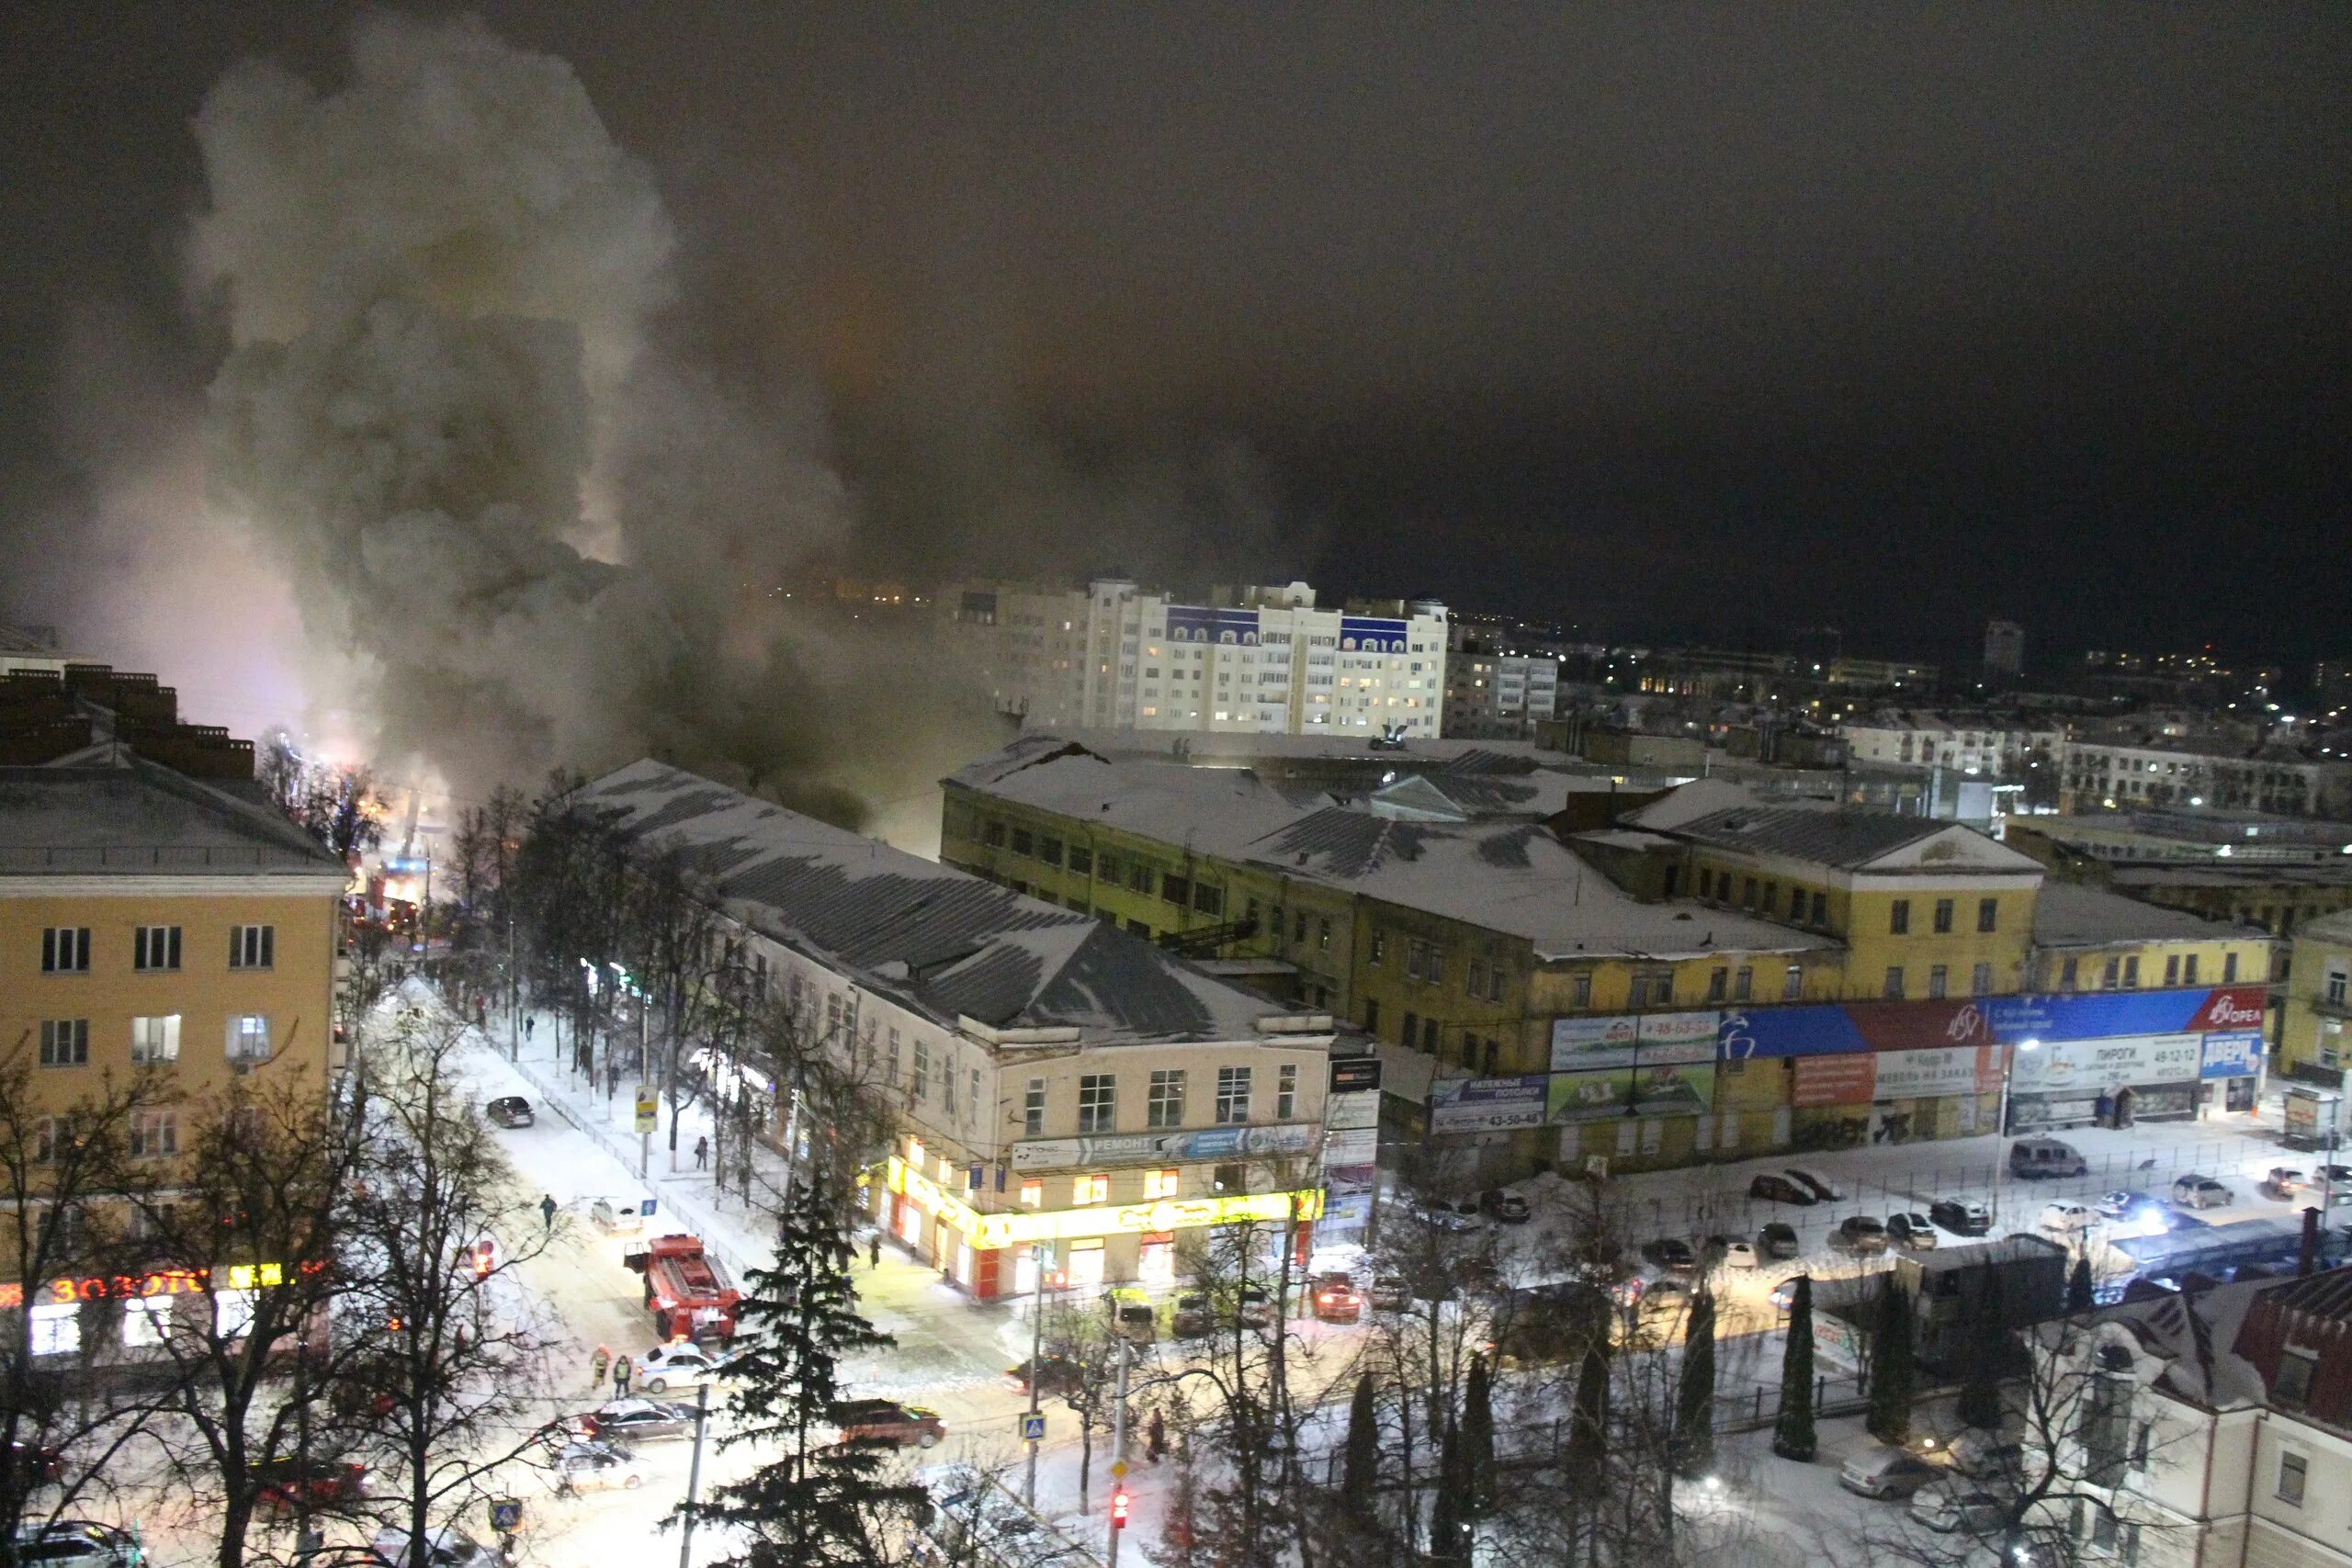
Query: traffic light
x=1119, y=1508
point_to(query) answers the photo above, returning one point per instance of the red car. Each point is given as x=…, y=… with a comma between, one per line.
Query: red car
x=323, y=1483
x=887, y=1421
x=1335, y=1298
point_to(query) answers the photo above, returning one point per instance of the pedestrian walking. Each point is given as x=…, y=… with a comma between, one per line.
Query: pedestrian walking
x=874, y=1251
x=596, y=1365
x=620, y=1376
x=702, y=1153
x=546, y=1212
x=530, y=1021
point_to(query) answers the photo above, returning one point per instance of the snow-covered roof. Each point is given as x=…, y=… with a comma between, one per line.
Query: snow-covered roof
x=134, y=818
x=2195, y=1334
x=2067, y=914
x=944, y=941
x=1726, y=815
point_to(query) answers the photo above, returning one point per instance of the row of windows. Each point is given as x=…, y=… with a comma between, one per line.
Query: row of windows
x=154, y=1136
x=1980, y=982
x=154, y=1041
x=66, y=950
x=1174, y=887
x=1098, y=1100
x=1898, y=916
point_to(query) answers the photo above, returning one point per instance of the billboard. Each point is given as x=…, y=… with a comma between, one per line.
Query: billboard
x=1585, y=1045
x=1486, y=1105
x=1139, y=1148
x=1838, y=1028
x=2088, y=1066
x=2232, y=1055
x=1859, y=1078
x=1666, y=1089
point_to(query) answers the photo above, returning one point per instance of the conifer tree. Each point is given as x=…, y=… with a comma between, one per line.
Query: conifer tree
x=816, y=1503
x=1694, y=1401
x=1589, y=1424
x=1892, y=1379
x=1478, y=1439
x=1360, y=1468
x=1793, y=1435
x=1988, y=1358
x=1449, y=1534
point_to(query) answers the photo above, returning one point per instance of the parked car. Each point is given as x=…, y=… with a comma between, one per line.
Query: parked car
x=75, y=1543
x=1984, y=1455
x=1335, y=1298
x=1730, y=1252
x=1944, y=1510
x=320, y=1483
x=1784, y=1294
x=1056, y=1374
x=596, y=1467
x=1862, y=1233
x=1780, y=1189
x=1886, y=1472
x=1506, y=1206
x=632, y=1421
x=1671, y=1255
x=676, y=1366
x=1388, y=1292
x=2068, y=1218
x=887, y=1421
x=1778, y=1240
x=1822, y=1191
x=1189, y=1320
x=1439, y=1214
x=1257, y=1308
x=448, y=1547
x=2036, y=1157
x=510, y=1110
x=1912, y=1230
x=1961, y=1216
x=2201, y=1193
x=2282, y=1181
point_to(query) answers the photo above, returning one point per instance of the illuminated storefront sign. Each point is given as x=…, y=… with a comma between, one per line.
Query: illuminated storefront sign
x=155, y=1282
x=1144, y=1148
x=1100, y=1220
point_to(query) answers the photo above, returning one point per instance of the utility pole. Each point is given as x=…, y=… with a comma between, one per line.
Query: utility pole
x=1037, y=1355
x=693, y=1474
x=514, y=985
x=1118, y=1449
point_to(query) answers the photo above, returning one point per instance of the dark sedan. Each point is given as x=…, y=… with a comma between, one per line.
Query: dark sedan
x=511, y=1111
x=1961, y=1216
x=1780, y=1189
x=634, y=1421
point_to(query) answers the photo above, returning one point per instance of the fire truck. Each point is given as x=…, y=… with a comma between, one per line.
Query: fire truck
x=686, y=1289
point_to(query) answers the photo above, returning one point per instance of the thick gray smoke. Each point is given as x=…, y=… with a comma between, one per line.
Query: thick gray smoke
x=523, y=539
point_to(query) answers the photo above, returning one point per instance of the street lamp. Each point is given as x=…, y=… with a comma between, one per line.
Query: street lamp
x=2000, y=1158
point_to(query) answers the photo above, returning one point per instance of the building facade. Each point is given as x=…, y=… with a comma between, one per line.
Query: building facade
x=2101, y=775
x=1265, y=660
x=151, y=927
x=1979, y=744
x=1058, y=1090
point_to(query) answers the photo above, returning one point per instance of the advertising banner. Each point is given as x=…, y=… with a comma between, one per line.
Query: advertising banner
x=1486, y=1105
x=1351, y=1110
x=1837, y=1028
x=2094, y=1015
x=1345, y=1148
x=2232, y=1055
x=1668, y=1088
x=1916, y=1075
x=1585, y=1044
x=2088, y=1067
x=1677, y=1037
x=1832, y=1080
x=1142, y=1148
x=1350, y=1074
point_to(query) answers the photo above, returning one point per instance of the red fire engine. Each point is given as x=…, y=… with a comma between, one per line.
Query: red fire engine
x=687, y=1290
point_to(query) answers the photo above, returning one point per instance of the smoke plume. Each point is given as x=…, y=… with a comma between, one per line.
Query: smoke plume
x=442, y=281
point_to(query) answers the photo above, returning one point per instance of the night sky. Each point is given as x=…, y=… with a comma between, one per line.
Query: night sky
x=1704, y=323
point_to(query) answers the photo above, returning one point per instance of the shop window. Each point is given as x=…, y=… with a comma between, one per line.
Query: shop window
x=1161, y=1183
x=146, y=1322
x=56, y=1329
x=1230, y=1178
x=1033, y=1193
x=1090, y=1189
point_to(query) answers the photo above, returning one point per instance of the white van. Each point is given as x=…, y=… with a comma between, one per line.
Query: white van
x=621, y=1216
x=2034, y=1158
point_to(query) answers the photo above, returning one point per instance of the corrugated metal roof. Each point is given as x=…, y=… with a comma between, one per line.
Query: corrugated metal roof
x=966, y=946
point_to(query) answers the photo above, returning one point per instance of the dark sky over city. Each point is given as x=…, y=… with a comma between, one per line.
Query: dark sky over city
x=1698, y=322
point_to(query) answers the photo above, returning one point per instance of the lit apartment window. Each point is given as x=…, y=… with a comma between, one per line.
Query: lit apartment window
x=1159, y=1183
x=1165, y=1106
x=156, y=1041
x=1898, y=918
x=1097, y=1101
x=1033, y=1193
x=1094, y=1189
x=155, y=947
x=65, y=1043
x=248, y=1041
x=1232, y=1095
x=65, y=950
x=1286, y=1092
x=252, y=947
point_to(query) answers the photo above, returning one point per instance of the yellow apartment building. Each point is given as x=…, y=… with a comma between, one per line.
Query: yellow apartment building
x=2316, y=1011
x=154, y=925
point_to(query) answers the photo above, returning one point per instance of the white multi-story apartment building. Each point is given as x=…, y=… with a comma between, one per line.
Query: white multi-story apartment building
x=1056, y=1086
x=2103, y=775
x=1267, y=660
x=1498, y=696
x=1977, y=744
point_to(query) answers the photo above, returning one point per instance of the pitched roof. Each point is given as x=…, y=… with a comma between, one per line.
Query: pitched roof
x=1711, y=811
x=2068, y=914
x=134, y=818
x=945, y=941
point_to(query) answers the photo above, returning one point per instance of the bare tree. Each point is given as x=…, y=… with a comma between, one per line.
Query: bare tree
x=67, y=1422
